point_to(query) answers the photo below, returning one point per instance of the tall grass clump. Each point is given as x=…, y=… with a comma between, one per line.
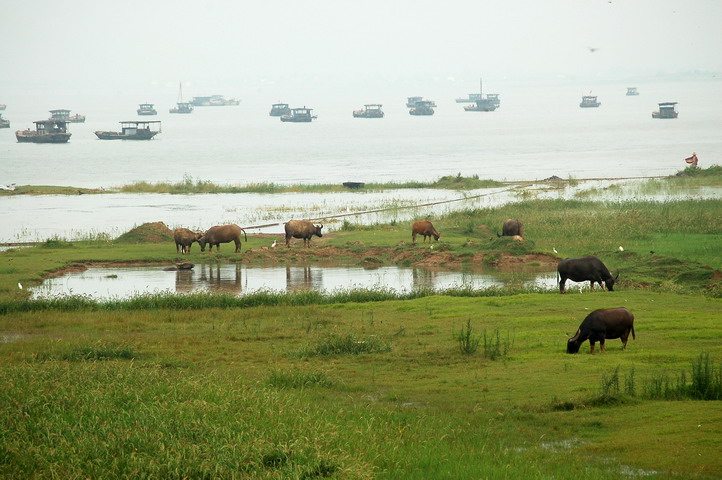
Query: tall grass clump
x=495, y=348
x=99, y=351
x=295, y=378
x=468, y=342
x=348, y=344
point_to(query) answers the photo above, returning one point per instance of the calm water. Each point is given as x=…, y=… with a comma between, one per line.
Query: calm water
x=106, y=283
x=537, y=132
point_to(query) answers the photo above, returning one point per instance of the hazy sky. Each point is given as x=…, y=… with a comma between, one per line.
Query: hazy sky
x=336, y=44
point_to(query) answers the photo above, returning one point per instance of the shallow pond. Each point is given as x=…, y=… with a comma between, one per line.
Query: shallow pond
x=112, y=282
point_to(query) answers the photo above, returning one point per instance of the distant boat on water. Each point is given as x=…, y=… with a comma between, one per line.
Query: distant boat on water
x=299, y=115
x=181, y=106
x=62, y=114
x=372, y=110
x=4, y=123
x=423, y=107
x=146, y=109
x=487, y=103
x=3, y=106
x=412, y=101
x=666, y=110
x=132, y=130
x=589, y=101
x=279, y=109
x=213, y=101
x=632, y=91
x=46, y=131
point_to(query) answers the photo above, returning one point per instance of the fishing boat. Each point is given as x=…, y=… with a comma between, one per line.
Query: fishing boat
x=412, y=101
x=3, y=106
x=46, y=131
x=471, y=98
x=213, y=101
x=372, y=110
x=64, y=115
x=632, y=91
x=279, y=110
x=666, y=110
x=181, y=106
x=4, y=123
x=483, y=103
x=132, y=130
x=299, y=115
x=589, y=101
x=423, y=107
x=146, y=109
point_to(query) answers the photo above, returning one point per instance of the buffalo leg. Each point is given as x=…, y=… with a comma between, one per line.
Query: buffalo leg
x=601, y=345
x=591, y=344
x=238, y=245
x=413, y=237
x=562, y=282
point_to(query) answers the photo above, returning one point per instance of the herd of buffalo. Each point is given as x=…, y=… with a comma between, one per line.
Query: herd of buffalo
x=598, y=326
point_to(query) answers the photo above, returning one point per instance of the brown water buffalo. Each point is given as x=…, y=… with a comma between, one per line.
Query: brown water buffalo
x=424, y=228
x=301, y=229
x=184, y=239
x=601, y=325
x=222, y=234
x=511, y=228
x=585, y=269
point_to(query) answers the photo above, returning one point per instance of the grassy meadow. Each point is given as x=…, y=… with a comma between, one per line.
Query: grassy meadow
x=374, y=384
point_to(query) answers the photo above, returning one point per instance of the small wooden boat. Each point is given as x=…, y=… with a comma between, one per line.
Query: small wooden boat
x=279, y=110
x=213, y=101
x=4, y=123
x=487, y=103
x=3, y=106
x=589, y=101
x=372, y=110
x=181, y=106
x=132, y=130
x=423, y=107
x=64, y=115
x=299, y=115
x=666, y=110
x=46, y=131
x=146, y=109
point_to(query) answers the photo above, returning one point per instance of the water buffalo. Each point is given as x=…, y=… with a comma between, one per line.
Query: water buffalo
x=424, y=228
x=184, y=239
x=222, y=234
x=302, y=229
x=585, y=269
x=511, y=228
x=601, y=325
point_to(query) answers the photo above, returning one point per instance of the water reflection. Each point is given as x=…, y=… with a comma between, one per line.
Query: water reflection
x=105, y=283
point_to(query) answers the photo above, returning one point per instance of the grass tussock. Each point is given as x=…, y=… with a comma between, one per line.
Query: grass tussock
x=296, y=378
x=99, y=351
x=348, y=344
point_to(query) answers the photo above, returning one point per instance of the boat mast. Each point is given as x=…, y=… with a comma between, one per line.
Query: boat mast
x=180, y=92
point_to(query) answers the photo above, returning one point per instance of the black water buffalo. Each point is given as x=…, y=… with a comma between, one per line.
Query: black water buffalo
x=184, y=239
x=222, y=234
x=601, y=325
x=301, y=229
x=585, y=269
x=511, y=228
x=425, y=228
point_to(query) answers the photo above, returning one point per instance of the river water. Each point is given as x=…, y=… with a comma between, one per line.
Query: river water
x=538, y=131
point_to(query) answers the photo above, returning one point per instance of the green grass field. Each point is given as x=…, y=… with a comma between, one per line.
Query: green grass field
x=373, y=385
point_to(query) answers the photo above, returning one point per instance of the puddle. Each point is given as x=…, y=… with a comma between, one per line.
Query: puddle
x=111, y=283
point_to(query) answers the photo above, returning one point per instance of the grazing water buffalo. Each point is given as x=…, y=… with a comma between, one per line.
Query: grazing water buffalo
x=601, y=325
x=585, y=269
x=511, y=228
x=184, y=239
x=222, y=234
x=424, y=228
x=301, y=229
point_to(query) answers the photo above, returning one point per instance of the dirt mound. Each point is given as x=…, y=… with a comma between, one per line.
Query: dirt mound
x=155, y=232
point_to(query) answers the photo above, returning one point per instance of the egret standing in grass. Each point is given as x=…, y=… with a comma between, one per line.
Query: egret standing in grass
x=621, y=249
x=273, y=245
x=554, y=250
x=20, y=285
